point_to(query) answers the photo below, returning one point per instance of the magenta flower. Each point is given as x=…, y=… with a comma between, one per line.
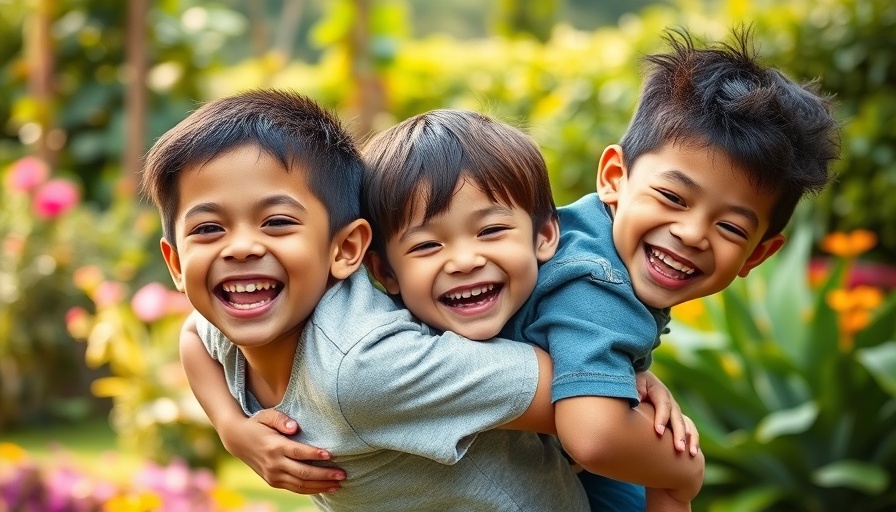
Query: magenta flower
x=55, y=197
x=26, y=174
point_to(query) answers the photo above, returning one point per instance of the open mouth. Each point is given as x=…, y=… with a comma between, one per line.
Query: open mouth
x=668, y=266
x=471, y=297
x=246, y=295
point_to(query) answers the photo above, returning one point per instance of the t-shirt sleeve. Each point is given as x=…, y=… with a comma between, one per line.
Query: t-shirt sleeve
x=215, y=342
x=595, y=331
x=430, y=395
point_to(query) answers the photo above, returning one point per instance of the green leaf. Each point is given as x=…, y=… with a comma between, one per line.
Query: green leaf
x=880, y=361
x=787, y=421
x=788, y=296
x=854, y=474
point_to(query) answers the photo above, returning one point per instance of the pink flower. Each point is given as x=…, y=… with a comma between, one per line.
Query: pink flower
x=77, y=321
x=88, y=277
x=108, y=293
x=150, y=302
x=55, y=197
x=26, y=174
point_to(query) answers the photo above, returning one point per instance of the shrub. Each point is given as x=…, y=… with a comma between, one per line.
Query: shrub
x=792, y=386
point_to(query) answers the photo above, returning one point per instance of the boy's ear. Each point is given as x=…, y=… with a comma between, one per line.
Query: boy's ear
x=172, y=260
x=349, y=245
x=382, y=272
x=610, y=173
x=547, y=239
x=761, y=253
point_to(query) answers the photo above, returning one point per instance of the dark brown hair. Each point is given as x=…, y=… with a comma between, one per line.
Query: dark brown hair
x=780, y=134
x=286, y=125
x=426, y=156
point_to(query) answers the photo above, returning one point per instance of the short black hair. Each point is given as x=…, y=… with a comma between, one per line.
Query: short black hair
x=424, y=157
x=288, y=126
x=782, y=135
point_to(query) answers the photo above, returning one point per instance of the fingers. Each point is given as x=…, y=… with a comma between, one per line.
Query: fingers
x=679, y=429
x=299, y=452
x=277, y=420
x=664, y=408
x=307, y=479
x=693, y=436
x=642, y=389
x=296, y=482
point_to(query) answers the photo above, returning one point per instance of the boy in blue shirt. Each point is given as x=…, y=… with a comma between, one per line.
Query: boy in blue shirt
x=259, y=196
x=717, y=156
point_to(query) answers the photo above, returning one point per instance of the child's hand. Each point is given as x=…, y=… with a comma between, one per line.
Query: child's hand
x=281, y=462
x=662, y=500
x=654, y=392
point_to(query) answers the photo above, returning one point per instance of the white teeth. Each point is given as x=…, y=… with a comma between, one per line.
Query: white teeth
x=473, y=292
x=668, y=260
x=251, y=287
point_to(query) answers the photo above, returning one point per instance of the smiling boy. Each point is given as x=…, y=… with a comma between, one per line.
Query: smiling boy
x=260, y=197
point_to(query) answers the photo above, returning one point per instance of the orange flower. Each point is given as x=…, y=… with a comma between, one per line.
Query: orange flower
x=853, y=309
x=849, y=245
x=867, y=297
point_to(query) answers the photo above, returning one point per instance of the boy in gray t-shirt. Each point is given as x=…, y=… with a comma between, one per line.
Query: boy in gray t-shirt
x=262, y=232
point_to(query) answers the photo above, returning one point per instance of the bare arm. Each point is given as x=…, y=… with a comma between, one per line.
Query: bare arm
x=257, y=441
x=539, y=417
x=609, y=438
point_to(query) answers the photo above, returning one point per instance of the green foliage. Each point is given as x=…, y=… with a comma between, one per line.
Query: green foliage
x=45, y=238
x=795, y=403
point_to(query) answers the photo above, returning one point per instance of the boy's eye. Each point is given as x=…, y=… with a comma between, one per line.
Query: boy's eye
x=493, y=230
x=671, y=197
x=731, y=228
x=423, y=247
x=206, y=229
x=280, y=222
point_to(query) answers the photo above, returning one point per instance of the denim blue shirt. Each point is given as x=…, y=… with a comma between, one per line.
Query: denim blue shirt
x=584, y=311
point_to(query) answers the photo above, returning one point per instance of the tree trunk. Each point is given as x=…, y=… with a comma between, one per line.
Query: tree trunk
x=39, y=51
x=135, y=96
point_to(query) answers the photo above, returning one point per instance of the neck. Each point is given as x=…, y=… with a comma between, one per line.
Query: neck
x=269, y=368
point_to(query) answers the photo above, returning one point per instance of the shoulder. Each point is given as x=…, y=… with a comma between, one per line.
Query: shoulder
x=354, y=310
x=215, y=342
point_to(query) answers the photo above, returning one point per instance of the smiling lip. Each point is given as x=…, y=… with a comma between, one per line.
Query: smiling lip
x=667, y=269
x=248, y=297
x=472, y=300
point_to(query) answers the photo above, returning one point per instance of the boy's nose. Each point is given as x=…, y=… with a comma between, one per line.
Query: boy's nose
x=464, y=262
x=243, y=247
x=691, y=233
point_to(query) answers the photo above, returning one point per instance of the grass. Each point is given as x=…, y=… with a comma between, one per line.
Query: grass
x=86, y=442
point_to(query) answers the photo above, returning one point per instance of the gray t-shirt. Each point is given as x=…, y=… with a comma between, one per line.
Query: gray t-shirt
x=402, y=408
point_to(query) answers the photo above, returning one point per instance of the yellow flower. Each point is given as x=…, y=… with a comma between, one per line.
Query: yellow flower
x=690, y=312
x=12, y=452
x=227, y=499
x=849, y=245
x=144, y=501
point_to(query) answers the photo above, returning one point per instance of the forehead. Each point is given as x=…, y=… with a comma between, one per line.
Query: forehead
x=240, y=178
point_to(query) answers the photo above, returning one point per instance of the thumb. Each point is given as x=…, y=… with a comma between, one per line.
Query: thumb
x=276, y=420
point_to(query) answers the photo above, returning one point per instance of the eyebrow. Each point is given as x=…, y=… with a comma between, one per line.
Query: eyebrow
x=684, y=180
x=493, y=209
x=265, y=202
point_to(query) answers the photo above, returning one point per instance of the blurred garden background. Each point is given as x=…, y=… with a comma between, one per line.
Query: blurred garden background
x=790, y=374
